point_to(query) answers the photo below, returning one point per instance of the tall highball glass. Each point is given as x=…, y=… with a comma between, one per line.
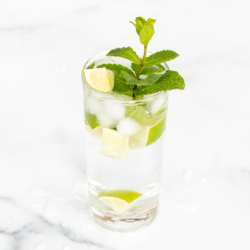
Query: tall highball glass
x=124, y=154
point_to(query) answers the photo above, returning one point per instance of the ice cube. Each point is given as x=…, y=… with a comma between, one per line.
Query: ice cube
x=94, y=105
x=105, y=120
x=114, y=110
x=128, y=127
x=156, y=105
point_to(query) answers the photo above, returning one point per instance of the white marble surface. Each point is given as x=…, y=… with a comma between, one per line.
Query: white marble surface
x=205, y=199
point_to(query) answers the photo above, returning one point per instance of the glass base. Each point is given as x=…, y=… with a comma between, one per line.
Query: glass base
x=120, y=224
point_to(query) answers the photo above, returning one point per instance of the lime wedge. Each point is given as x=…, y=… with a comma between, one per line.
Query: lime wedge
x=119, y=200
x=148, y=134
x=113, y=144
x=99, y=79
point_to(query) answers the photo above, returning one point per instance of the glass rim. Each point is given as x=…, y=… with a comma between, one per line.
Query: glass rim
x=99, y=95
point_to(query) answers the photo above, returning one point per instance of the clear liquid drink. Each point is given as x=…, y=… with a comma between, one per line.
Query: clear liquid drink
x=124, y=153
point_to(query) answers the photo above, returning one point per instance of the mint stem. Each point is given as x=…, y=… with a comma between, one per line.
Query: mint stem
x=142, y=62
x=140, y=69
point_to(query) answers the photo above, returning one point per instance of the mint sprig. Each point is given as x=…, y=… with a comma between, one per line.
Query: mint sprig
x=145, y=29
x=129, y=82
x=139, y=22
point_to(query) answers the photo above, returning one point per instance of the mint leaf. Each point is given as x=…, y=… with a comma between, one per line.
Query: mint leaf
x=169, y=80
x=160, y=57
x=138, y=113
x=91, y=66
x=151, y=79
x=139, y=22
x=134, y=67
x=149, y=70
x=116, y=68
x=130, y=79
x=151, y=21
x=127, y=53
x=160, y=66
x=146, y=27
x=120, y=87
x=146, y=34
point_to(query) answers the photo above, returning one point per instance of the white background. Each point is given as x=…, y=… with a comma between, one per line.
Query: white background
x=43, y=46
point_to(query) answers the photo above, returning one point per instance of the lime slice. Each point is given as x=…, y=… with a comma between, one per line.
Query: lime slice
x=100, y=79
x=91, y=120
x=119, y=200
x=113, y=144
x=96, y=132
x=148, y=134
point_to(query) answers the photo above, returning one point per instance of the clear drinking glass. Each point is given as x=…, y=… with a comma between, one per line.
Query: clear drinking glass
x=137, y=166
